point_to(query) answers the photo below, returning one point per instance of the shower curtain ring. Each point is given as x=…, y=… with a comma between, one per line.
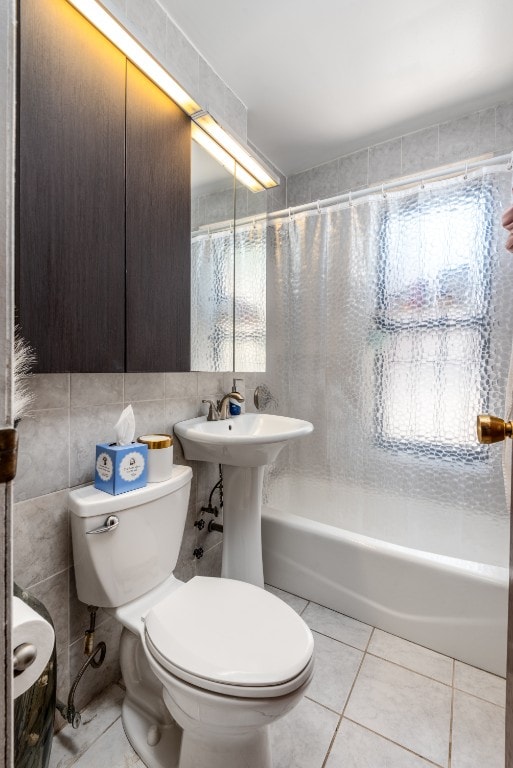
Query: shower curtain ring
x=466, y=171
x=383, y=191
x=509, y=166
x=291, y=215
x=318, y=206
x=350, y=199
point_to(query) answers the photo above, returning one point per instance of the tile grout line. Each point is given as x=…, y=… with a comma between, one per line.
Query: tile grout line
x=396, y=743
x=451, y=685
x=449, y=756
x=415, y=671
x=389, y=661
x=479, y=698
x=398, y=664
x=401, y=746
x=335, y=733
x=81, y=753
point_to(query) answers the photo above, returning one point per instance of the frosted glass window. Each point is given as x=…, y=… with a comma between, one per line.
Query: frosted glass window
x=432, y=320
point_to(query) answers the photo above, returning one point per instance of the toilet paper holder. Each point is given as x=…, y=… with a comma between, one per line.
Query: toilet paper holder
x=22, y=657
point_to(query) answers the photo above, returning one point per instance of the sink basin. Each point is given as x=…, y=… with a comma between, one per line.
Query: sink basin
x=248, y=440
x=243, y=445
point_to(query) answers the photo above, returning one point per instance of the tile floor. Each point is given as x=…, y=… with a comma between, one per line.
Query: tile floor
x=376, y=701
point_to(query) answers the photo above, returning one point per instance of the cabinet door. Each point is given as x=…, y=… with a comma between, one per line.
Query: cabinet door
x=158, y=146
x=71, y=206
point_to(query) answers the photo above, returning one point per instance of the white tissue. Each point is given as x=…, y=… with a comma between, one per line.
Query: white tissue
x=125, y=427
x=29, y=627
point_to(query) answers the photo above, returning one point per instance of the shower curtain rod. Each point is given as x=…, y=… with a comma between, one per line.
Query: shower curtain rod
x=446, y=171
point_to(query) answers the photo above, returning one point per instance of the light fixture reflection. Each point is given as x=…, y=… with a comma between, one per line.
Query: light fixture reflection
x=222, y=157
x=236, y=150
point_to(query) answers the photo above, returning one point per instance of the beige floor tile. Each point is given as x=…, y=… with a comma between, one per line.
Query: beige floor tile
x=112, y=750
x=479, y=683
x=412, y=656
x=403, y=706
x=301, y=738
x=337, y=626
x=477, y=733
x=356, y=747
x=295, y=602
x=69, y=744
x=336, y=666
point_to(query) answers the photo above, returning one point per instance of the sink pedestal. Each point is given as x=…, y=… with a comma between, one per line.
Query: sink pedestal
x=242, y=532
x=243, y=445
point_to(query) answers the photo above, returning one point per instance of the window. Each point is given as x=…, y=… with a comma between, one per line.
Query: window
x=432, y=320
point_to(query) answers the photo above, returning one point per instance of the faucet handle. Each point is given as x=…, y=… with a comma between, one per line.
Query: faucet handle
x=213, y=413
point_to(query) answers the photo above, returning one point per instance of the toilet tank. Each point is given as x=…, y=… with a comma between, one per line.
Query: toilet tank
x=117, y=566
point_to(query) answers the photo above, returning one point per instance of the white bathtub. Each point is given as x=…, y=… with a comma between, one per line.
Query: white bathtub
x=454, y=606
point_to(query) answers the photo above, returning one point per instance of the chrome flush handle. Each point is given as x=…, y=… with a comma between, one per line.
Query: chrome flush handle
x=111, y=523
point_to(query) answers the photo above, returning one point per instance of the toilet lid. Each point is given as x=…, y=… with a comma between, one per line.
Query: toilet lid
x=229, y=632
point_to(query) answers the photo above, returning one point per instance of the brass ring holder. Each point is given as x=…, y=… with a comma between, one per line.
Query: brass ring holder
x=492, y=429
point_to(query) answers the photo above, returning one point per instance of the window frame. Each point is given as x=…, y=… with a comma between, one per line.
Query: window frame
x=383, y=325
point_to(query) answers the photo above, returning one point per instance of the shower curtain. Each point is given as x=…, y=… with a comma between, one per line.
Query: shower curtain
x=395, y=319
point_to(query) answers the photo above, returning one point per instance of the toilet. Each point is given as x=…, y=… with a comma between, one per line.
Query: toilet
x=208, y=664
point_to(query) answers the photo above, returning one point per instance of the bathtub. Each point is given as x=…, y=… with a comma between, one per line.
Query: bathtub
x=454, y=606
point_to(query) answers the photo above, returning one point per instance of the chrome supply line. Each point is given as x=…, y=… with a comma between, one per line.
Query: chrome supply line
x=444, y=172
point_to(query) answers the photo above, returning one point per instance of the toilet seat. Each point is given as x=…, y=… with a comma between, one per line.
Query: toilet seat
x=230, y=637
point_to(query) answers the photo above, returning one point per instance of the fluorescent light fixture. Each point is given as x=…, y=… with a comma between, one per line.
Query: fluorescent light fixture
x=226, y=160
x=248, y=170
x=236, y=150
x=112, y=29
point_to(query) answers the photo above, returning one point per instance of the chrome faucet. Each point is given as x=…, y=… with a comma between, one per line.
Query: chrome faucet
x=224, y=405
x=221, y=410
x=213, y=413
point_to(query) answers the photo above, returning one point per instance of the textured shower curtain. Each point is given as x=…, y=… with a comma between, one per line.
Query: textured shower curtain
x=212, y=287
x=394, y=327
x=228, y=291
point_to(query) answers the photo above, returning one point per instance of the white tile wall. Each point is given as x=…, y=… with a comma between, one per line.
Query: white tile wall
x=467, y=137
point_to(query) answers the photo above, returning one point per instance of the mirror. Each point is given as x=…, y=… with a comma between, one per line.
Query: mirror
x=228, y=269
x=250, y=279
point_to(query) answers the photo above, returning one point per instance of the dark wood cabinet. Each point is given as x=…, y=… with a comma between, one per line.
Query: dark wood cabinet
x=157, y=242
x=103, y=203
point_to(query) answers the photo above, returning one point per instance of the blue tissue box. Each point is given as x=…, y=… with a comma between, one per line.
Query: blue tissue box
x=121, y=468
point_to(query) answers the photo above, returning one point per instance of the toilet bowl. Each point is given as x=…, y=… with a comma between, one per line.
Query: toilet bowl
x=208, y=664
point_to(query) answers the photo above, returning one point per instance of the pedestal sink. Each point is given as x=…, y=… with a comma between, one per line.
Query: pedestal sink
x=243, y=445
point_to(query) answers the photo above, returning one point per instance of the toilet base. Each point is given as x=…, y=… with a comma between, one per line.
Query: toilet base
x=204, y=746
x=148, y=725
x=142, y=731
x=253, y=752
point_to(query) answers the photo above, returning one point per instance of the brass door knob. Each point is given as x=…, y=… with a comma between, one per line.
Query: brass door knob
x=491, y=429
